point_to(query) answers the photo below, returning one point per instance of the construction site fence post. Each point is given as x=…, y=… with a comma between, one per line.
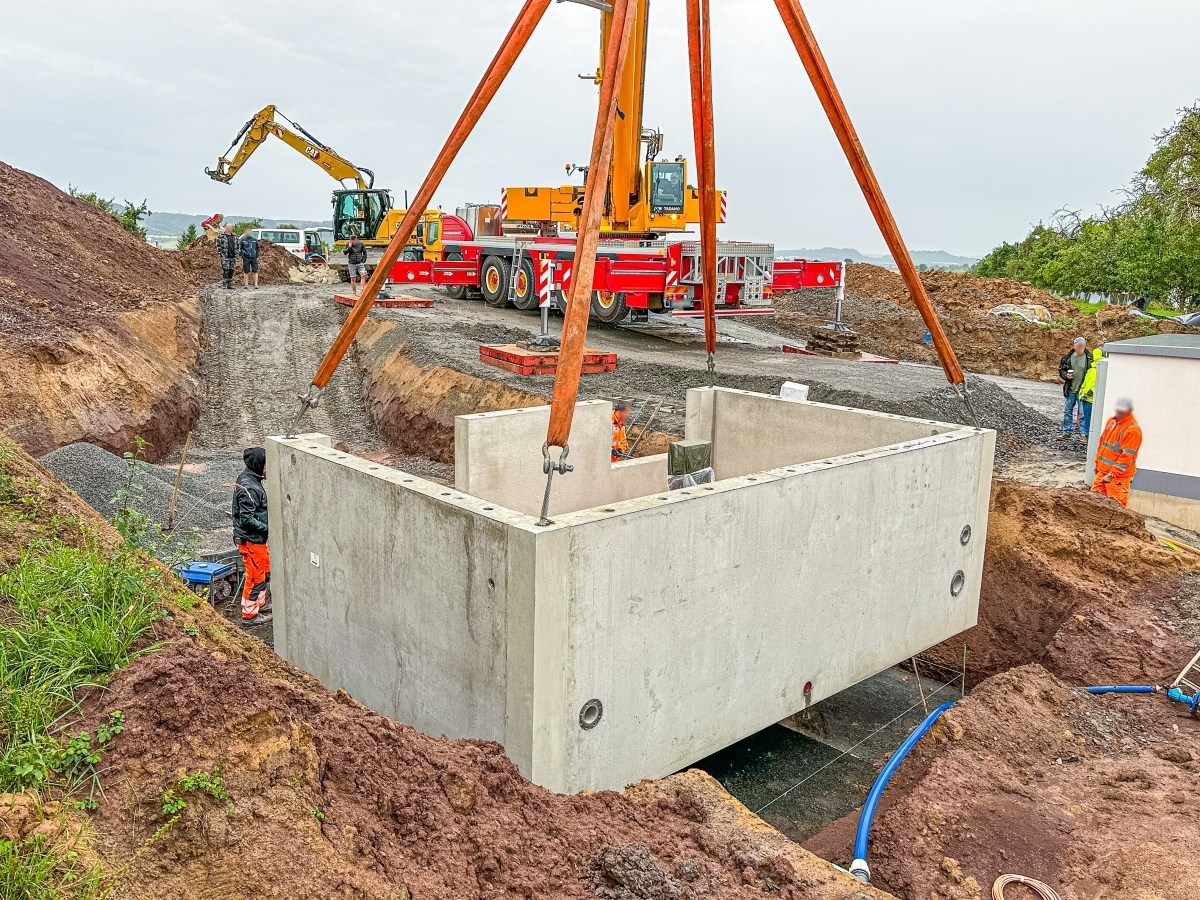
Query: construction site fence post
x=806, y=45
x=575, y=319
x=497, y=71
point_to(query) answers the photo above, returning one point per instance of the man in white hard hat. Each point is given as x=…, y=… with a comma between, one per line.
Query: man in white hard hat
x=1116, y=459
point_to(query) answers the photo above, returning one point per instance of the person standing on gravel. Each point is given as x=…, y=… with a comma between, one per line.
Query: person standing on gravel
x=1071, y=369
x=248, y=248
x=356, y=256
x=1116, y=458
x=250, y=535
x=227, y=251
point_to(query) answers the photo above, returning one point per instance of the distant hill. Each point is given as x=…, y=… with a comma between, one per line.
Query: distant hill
x=934, y=259
x=161, y=224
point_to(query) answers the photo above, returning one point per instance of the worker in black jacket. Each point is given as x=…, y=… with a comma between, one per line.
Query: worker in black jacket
x=250, y=535
x=227, y=252
x=356, y=257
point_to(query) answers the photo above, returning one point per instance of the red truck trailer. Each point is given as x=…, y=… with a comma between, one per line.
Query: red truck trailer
x=633, y=277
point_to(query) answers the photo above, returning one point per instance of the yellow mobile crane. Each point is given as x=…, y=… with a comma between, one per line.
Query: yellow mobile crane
x=644, y=198
x=364, y=210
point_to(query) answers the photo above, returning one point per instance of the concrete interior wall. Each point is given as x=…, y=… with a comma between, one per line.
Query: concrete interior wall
x=751, y=432
x=695, y=616
x=498, y=457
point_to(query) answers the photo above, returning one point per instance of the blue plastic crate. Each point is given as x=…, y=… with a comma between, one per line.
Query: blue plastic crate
x=197, y=572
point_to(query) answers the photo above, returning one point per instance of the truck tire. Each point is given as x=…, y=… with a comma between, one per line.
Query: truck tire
x=457, y=291
x=527, y=298
x=608, y=307
x=493, y=281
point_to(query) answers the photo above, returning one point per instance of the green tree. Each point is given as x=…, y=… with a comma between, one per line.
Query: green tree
x=129, y=216
x=189, y=237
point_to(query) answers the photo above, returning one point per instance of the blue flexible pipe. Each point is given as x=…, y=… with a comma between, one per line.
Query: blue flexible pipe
x=1121, y=689
x=859, y=868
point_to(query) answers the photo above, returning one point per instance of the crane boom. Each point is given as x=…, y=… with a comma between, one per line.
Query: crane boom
x=265, y=123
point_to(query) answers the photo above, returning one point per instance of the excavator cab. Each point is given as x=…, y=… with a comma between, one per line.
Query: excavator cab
x=359, y=213
x=666, y=187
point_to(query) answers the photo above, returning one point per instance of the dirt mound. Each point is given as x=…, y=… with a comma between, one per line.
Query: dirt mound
x=989, y=345
x=202, y=266
x=1066, y=557
x=952, y=290
x=99, y=335
x=1093, y=795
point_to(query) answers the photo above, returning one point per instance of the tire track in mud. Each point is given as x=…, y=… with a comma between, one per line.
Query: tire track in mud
x=261, y=348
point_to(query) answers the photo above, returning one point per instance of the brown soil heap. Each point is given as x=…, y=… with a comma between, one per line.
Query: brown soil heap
x=99, y=336
x=1053, y=553
x=878, y=307
x=951, y=290
x=202, y=266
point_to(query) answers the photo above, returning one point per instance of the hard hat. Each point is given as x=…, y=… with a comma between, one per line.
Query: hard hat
x=620, y=405
x=1123, y=404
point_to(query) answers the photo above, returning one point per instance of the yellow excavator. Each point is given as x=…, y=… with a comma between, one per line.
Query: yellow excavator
x=363, y=210
x=644, y=198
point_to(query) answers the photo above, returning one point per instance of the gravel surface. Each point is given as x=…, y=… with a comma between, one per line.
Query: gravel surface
x=99, y=476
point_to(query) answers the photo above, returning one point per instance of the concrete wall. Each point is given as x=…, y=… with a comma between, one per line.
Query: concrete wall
x=498, y=456
x=695, y=616
x=751, y=432
x=1166, y=395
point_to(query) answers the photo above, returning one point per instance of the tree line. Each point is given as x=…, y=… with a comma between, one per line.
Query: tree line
x=1149, y=245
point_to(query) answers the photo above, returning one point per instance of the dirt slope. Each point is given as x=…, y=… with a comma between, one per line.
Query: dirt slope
x=1053, y=554
x=99, y=334
x=328, y=799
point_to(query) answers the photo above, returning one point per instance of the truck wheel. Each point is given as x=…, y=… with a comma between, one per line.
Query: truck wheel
x=493, y=281
x=457, y=291
x=608, y=306
x=411, y=255
x=527, y=296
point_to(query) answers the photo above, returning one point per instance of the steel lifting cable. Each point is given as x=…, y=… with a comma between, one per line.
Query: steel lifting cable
x=1040, y=888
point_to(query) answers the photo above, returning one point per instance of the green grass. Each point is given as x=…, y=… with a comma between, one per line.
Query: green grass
x=36, y=870
x=1088, y=309
x=68, y=618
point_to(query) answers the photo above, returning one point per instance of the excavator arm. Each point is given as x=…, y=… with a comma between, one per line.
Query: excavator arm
x=265, y=123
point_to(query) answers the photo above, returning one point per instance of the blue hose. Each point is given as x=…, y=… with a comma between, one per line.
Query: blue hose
x=859, y=868
x=1121, y=689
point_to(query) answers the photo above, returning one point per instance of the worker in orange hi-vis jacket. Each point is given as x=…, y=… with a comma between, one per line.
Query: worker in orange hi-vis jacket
x=1116, y=460
x=620, y=441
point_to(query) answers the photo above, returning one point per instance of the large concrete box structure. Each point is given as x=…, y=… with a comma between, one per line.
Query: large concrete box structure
x=1161, y=373
x=635, y=634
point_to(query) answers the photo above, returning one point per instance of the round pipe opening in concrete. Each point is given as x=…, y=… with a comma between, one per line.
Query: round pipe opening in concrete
x=957, y=583
x=964, y=537
x=590, y=714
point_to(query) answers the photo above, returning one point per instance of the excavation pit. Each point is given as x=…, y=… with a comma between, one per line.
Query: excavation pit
x=643, y=629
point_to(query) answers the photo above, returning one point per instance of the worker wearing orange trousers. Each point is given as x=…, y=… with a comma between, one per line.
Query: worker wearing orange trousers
x=1116, y=460
x=250, y=535
x=620, y=440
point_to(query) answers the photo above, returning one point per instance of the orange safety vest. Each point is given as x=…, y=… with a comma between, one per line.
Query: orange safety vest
x=620, y=443
x=1119, y=445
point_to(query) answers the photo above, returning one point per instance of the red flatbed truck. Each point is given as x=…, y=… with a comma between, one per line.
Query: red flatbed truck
x=633, y=277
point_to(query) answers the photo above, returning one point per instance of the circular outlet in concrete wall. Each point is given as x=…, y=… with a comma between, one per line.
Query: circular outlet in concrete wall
x=957, y=583
x=965, y=537
x=590, y=714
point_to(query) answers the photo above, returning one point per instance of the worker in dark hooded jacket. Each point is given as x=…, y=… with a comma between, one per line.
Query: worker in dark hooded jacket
x=250, y=535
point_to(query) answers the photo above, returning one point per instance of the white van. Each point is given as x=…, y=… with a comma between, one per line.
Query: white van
x=304, y=244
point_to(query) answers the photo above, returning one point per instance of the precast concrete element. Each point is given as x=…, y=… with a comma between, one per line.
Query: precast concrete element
x=633, y=637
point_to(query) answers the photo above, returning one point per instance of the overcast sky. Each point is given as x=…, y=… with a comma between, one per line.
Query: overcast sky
x=980, y=116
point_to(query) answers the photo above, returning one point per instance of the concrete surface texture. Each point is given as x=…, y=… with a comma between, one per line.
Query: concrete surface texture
x=693, y=618
x=1160, y=374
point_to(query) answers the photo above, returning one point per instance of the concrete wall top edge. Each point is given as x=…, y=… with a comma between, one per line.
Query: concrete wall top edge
x=317, y=445
x=500, y=413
